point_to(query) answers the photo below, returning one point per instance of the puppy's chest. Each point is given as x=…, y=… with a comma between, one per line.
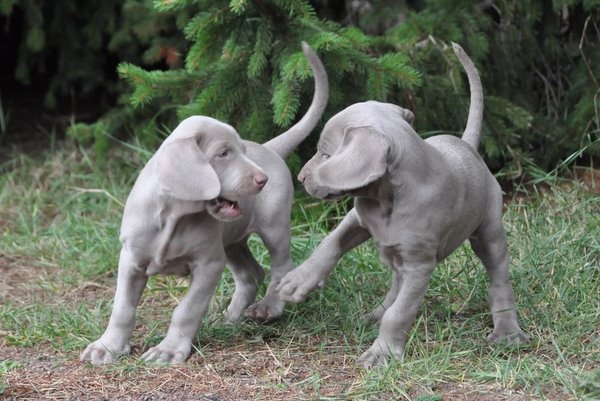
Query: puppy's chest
x=376, y=218
x=387, y=242
x=394, y=228
x=175, y=246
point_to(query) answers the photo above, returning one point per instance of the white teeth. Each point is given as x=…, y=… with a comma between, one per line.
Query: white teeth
x=227, y=206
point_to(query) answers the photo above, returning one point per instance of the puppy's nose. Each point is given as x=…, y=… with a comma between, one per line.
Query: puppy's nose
x=302, y=176
x=260, y=180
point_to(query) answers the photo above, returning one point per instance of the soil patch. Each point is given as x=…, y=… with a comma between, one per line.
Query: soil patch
x=20, y=278
x=244, y=367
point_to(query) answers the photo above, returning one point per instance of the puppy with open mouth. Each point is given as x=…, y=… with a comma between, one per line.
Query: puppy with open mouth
x=191, y=211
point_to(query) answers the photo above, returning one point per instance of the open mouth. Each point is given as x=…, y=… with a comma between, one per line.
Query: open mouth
x=228, y=208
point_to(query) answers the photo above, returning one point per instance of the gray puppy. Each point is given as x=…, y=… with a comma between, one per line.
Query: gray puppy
x=191, y=210
x=419, y=200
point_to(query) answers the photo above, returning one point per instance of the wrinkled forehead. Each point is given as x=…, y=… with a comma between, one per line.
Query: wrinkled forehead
x=333, y=132
x=330, y=138
x=208, y=132
x=219, y=139
x=220, y=132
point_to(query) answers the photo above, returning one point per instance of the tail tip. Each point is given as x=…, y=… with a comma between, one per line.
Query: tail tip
x=313, y=60
x=305, y=47
x=458, y=50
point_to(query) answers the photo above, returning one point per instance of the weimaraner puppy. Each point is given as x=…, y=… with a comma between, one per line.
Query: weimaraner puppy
x=419, y=200
x=191, y=211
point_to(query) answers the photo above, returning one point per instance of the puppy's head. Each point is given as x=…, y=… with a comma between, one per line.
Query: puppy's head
x=204, y=160
x=353, y=150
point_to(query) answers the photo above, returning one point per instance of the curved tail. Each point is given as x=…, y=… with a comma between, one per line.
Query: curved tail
x=472, y=132
x=286, y=142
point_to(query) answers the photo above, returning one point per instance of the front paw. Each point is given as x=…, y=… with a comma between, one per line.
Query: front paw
x=297, y=284
x=102, y=352
x=167, y=352
x=509, y=332
x=266, y=310
x=514, y=338
x=379, y=353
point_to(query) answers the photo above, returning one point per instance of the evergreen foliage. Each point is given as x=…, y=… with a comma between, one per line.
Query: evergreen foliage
x=240, y=61
x=245, y=65
x=540, y=103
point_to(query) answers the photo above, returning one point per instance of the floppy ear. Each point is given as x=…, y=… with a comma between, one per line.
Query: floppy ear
x=407, y=115
x=360, y=160
x=183, y=171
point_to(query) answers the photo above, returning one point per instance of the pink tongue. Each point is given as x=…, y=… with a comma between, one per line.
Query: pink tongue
x=229, y=208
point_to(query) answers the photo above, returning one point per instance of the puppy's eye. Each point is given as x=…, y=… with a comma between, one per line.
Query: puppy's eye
x=222, y=154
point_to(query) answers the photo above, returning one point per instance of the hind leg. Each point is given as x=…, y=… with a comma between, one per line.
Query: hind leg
x=376, y=315
x=277, y=240
x=248, y=275
x=490, y=245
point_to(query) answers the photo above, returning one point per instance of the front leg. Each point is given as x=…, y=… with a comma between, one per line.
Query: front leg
x=187, y=316
x=399, y=317
x=131, y=282
x=297, y=284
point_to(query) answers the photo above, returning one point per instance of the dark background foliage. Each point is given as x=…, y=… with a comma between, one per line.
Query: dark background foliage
x=115, y=69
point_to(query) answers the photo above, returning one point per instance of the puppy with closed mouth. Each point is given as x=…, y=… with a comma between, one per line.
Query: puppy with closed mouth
x=191, y=211
x=419, y=200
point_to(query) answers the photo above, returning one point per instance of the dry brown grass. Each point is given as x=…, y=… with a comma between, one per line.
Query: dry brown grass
x=240, y=372
x=245, y=369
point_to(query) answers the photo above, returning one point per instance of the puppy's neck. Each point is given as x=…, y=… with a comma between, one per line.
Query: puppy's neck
x=380, y=190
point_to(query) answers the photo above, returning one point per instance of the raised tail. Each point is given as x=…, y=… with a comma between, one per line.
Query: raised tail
x=285, y=143
x=472, y=132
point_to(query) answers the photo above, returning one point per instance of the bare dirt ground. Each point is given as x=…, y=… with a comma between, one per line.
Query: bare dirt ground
x=244, y=369
x=241, y=372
